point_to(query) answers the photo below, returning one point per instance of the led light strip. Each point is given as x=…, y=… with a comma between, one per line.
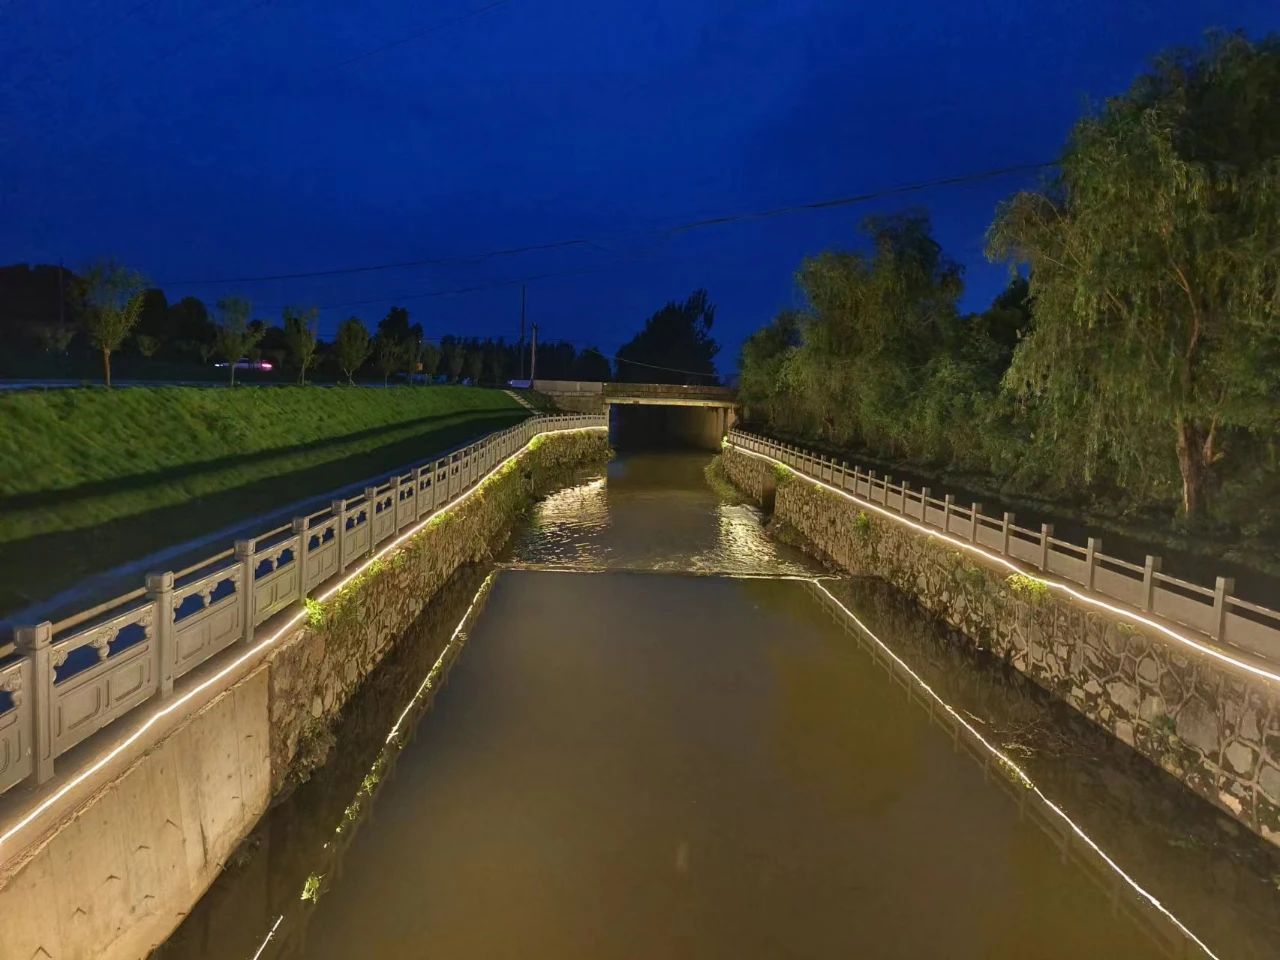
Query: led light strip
x=1127, y=613
x=261, y=645
x=270, y=933
x=1021, y=775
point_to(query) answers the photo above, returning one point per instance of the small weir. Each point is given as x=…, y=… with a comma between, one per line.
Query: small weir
x=651, y=730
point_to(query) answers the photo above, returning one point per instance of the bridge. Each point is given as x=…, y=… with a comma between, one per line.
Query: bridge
x=695, y=415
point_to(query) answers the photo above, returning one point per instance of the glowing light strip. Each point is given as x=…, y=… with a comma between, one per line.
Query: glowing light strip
x=1127, y=613
x=262, y=645
x=270, y=933
x=1022, y=776
x=431, y=674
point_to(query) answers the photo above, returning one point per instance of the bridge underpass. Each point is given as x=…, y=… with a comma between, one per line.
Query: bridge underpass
x=651, y=414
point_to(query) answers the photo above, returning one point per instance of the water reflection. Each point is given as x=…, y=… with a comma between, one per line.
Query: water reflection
x=652, y=511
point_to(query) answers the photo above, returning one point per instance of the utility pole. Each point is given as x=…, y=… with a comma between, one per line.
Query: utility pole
x=522, y=289
x=533, y=356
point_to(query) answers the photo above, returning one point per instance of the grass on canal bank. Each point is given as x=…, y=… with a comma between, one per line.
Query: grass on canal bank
x=90, y=479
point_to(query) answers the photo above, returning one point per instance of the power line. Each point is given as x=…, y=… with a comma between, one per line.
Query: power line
x=369, y=268
x=688, y=226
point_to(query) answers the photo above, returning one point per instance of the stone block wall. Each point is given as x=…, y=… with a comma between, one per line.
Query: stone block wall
x=1214, y=727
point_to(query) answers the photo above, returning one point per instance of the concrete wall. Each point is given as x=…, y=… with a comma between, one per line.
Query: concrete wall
x=658, y=424
x=117, y=875
x=1214, y=727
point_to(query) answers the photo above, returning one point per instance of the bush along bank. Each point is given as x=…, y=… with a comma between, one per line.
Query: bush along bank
x=1214, y=727
x=316, y=670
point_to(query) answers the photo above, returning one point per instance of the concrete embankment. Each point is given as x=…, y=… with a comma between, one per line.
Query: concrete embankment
x=1210, y=724
x=120, y=868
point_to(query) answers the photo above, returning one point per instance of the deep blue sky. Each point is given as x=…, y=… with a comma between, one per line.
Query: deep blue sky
x=211, y=138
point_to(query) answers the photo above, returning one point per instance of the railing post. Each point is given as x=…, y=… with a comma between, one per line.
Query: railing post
x=1149, y=570
x=1093, y=546
x=160, y=593
x=1005, y=532
x=975, y=511
x=395, y=504
x=339, y=509
x=245, y=555
x=34, y=642
x=884, y=495
x=300, y=528
x=1221, y=588
x=371, y=508
x=948, y=501
x=1046, y=531
x=902, y=506
x=924, y=505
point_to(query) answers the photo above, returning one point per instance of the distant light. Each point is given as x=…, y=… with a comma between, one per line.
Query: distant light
x=265, y=365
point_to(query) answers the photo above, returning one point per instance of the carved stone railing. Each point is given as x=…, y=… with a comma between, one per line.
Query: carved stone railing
x=71, y=678
x=1211, y=611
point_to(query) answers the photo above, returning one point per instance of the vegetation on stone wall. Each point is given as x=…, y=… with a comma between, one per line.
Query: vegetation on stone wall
x=1135, y=365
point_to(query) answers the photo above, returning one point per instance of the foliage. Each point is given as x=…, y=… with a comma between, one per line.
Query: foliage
x=147, y=344
x=387, y=354
x=1134, y=369
x=474, y=365
x=1154, y=272
x=112, y=304
x=862, y=525
x=235, y=337
x=315, y=613
x=352, y=346
x=675, y=345
x=300, y=332
x=1028, y=588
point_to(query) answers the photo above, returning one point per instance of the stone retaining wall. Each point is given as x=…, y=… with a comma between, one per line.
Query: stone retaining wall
x=119, y=872
x=1212, y=726
x=314, y=671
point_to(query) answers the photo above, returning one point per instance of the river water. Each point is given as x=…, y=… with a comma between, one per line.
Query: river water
x=660, y=738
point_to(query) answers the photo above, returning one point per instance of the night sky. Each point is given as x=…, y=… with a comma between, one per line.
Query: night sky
x=203, y=139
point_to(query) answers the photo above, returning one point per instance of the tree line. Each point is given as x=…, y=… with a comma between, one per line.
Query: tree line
x=1134, y=358
x=109, y=310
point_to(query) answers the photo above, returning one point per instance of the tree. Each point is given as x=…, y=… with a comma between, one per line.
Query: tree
x=475, y=365
x=675, y=345
x=430, y=360
x=300, y=333
x=352, y=346
x=457, y=361
x=591, y=364
x=113, y=298
x=388, y=354
x=761, y=385
x=147, y=344
x=413, y=347
x=495, y=361
x=1152, y=261
x=235, y=337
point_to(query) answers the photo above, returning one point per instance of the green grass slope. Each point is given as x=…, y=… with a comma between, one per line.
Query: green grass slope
x=91, y=478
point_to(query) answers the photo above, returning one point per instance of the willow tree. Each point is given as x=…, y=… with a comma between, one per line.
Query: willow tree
x=1154, y=260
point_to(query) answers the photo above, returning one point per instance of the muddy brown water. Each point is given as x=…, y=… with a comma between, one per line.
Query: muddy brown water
x=652, y=739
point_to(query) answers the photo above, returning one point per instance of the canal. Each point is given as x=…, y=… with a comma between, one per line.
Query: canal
x=647, y=731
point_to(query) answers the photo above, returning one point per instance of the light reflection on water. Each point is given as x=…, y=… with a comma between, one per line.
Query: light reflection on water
x=652, y=511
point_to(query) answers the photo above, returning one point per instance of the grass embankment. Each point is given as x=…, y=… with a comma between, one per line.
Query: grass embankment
x=90, y=479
